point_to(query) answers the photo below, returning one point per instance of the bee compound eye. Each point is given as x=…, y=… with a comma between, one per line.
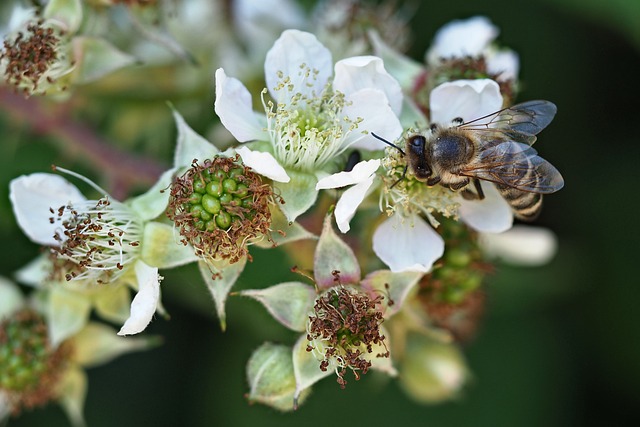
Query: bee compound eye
x=417, y=141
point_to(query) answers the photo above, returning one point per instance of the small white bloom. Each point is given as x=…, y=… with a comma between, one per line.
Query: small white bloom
x=473, y=37
x=95, y=242
x=313, y=117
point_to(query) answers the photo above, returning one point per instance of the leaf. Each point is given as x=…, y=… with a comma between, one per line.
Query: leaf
x=289, y=303
x=332, y=254
x=219, y=277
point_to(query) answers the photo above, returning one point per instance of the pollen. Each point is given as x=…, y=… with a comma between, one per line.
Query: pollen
x=220, y=207
x=28, y=59
x=343, y=330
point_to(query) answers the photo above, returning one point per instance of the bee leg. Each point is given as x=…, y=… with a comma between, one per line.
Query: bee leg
x=476, y=184
x=470, y=195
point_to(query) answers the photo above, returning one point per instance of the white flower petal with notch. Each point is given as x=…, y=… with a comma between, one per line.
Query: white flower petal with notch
x=32, y=197
x=234, y=107
x=349, y=202
x=361, y=72
x=407, y=244
x=289, y=53
x=468, y=99
x=461, y=38
x=371, y=106
x=264, y=164
x=490, y=215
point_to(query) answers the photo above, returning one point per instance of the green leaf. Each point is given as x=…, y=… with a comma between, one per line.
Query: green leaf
x=219, y=277
x=332, y=254
x=299, y=194
x=289, y=303
x=97, y=58
x=162, y=248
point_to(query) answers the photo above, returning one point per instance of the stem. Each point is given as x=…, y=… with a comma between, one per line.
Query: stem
x=122, y=169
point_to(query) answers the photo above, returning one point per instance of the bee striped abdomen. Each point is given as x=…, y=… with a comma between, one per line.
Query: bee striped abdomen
x=526, y=205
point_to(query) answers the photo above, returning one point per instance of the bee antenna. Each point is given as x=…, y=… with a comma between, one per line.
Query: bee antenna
x=388, y=143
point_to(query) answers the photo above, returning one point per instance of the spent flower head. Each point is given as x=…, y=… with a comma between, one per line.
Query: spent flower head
x=219, y=207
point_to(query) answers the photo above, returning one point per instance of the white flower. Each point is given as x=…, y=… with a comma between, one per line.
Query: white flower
x=314, y=118
x=521, y=245
x=100, y=241
x=405, y=241
x=473, y=37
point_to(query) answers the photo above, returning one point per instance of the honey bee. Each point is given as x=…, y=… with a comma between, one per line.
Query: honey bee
x=495, y=148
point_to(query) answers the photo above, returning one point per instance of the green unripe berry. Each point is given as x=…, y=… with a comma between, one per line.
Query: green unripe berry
x=226, y=198
x=223, y=220
x=242, y=190
x=214, y=188
x=195, y=198
x=199, y=186
x=211, y=204
x=229, y=185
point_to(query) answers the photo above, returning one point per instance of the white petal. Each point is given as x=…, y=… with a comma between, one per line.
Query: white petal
x=258, y=22
x=264, y=164
x=522, y=245
x=469, y=99
x=360, y=72
x=490, y=215
x=360, y=172
x=145, y=302
x=504, y=63
x=33, y=195
x=234, y=107
x=292, y=50
x=462, y=38
x=371, y=106
x=407, y=244
x=349, y=202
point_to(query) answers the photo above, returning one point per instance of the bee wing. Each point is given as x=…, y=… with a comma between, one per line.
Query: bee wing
x=515, y=165
x=519, y=122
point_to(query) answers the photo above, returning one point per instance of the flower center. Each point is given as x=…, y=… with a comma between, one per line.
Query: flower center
x=343, y=329
x=30, y=367
x=307, y=131
x=29, y=59
x=219, y=207
x=98, y=240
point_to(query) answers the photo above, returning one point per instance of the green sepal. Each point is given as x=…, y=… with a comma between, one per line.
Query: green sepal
x=289, y=303
x=226, y=275
x=97, y=58
x=271, y=378
x=299, y=194
x=190, y=145
x=333, y=254
x=395, y=287
x=306, y=368
x=162, y=247
x=66, y=12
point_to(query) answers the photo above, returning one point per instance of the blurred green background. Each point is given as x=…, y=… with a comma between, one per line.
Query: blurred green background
x=559, y=345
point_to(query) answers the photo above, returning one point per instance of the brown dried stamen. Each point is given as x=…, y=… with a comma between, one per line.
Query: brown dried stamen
x=344, y=328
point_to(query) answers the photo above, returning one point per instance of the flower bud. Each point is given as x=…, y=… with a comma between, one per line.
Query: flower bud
x=432, y=372
x=271, y=378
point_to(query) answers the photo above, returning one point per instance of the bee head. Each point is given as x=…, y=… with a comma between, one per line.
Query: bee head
x=417, y=157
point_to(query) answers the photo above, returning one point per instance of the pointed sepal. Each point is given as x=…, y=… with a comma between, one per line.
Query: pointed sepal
x=289, y=303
